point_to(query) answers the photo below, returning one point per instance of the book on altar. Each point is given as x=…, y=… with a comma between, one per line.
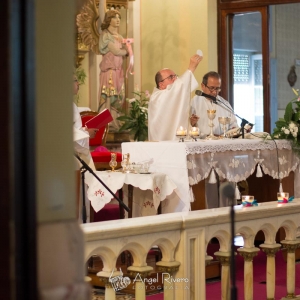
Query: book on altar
x=103, y=118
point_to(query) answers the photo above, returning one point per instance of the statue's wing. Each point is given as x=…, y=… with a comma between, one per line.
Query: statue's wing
x=87, y=25
x=102, y=11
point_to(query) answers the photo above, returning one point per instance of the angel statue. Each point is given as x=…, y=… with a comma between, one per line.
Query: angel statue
x=114, y=49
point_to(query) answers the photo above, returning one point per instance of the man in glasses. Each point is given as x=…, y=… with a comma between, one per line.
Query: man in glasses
x=211, y=85
x=170, y=102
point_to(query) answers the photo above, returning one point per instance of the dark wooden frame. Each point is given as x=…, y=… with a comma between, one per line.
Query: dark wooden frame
x=18, y=251
x=226, y=9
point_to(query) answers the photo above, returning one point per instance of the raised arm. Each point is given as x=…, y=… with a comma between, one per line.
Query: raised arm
x=194, y=62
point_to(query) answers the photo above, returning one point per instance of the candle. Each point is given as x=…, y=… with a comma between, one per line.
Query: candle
x=283, y=197
x=181, y=131
x=194, y=131
x=247, y=200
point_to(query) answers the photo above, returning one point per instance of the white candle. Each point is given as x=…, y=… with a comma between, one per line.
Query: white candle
x=181, y=131
x=248, y=198
x=194, y=131
x=281, y=196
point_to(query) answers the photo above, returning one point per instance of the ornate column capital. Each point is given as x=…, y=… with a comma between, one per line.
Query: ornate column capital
x=168, y=267
x=270, y=250
x=141, y=272
x=223, y=257
x=248, y=253
x=290, y=246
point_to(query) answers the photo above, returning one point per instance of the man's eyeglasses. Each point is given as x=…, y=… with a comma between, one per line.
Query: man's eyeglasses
x=170, y=77
x=213, y=89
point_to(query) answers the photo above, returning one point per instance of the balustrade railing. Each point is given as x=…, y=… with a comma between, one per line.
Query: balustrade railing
x=183, y=239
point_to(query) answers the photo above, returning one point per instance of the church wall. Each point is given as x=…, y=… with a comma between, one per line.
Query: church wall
x=166, y=34
x=172, y=31
x=287, y=45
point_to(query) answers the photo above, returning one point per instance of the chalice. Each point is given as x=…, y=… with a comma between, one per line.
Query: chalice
x=211, y=113
x=224, y=121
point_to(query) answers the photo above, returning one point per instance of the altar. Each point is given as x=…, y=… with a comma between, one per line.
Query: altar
x=189, y=163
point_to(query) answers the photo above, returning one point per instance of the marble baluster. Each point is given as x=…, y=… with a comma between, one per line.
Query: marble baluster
x=105, y=277
x=291, y=247
x=138, y=275
x=168, y=269
x=248, y=254
x=270, y=250
x=224, y=258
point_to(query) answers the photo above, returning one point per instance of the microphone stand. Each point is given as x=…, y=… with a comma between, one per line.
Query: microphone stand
x=232, y=265
x=228, y=191
x=85, y=167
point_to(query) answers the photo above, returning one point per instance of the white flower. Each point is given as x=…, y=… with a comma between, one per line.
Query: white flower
x=286, y=131
x=144, y=109
x=296, y=129
x=294, y=134
x=292, y=125
x=131, y=100
x=282, y=128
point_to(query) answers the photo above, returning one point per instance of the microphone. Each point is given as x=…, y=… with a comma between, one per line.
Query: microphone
x=200, y=93
x=228, y=191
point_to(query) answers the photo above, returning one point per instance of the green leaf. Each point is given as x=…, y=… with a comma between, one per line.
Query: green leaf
x=123, y=118
x=281, y=123
x=288, y=112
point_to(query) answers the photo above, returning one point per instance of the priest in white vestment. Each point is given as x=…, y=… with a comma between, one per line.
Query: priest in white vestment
x=211, y=85
x=169, y=104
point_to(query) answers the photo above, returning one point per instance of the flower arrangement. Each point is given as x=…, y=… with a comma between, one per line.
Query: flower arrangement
x=136, y=120
x=81, y=76
x=288, y=127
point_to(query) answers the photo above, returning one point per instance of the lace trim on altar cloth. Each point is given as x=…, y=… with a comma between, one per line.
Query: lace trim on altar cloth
x=236, y=145
x=238, y=164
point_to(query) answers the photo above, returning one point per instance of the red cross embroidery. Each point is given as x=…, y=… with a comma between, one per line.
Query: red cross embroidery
x=157, y=190
x=148, y=203
x=99, y=192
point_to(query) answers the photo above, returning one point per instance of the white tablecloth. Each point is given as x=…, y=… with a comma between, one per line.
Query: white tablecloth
x=160, y=185
x=168, y=158
x=190, y=162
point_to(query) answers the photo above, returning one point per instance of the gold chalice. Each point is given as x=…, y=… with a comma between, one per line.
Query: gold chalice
x=224, y=121
x=211, y=113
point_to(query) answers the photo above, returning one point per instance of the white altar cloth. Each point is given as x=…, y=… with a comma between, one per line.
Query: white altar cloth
x=168, y=158
x=234, y=159
x=160, y=184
